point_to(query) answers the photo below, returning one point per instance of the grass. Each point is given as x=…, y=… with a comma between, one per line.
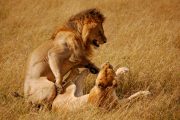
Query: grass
x=142, y=35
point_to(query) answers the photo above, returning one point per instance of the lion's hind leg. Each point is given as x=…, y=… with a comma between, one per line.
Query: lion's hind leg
x=42, y=91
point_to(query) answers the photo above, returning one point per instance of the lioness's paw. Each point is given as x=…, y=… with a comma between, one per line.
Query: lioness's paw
x=122, y=70
x=140, y=93
x=146, y=93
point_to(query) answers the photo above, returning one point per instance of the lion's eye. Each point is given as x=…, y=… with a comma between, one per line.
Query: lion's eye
x=100, y=33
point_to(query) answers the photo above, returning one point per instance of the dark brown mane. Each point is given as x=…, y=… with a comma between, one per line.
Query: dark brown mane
x=90, y=14
x=76, y=21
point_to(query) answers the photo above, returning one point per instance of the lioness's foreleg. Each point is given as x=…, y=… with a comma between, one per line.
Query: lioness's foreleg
x=73, y=73
x=80, y=81
x=138, y=94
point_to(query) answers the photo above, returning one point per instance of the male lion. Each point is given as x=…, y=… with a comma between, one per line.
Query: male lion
x=71, y=47
x=102, y=95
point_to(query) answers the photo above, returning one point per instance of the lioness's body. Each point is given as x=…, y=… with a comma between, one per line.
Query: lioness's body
x=102, y=95
x=73, y=98
x=68, y=101
x=98, y=97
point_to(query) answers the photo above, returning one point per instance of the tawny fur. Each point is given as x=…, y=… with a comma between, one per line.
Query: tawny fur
x=70, y=48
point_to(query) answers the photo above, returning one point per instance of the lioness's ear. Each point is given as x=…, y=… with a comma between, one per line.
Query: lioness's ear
x=105, y=64
x=115, y=83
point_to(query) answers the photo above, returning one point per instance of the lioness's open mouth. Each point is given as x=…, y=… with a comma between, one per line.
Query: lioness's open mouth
x=95, y=43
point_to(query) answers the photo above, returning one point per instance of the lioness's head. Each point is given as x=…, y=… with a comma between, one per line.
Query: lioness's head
x=106, y=77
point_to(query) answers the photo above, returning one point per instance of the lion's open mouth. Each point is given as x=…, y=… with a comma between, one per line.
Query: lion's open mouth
x=95, y=43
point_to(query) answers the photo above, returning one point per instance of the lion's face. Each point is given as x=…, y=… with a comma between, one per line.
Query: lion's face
x=106, y=77
x=93, y=34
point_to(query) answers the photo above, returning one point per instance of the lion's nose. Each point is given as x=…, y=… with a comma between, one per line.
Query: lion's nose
x=105, y=39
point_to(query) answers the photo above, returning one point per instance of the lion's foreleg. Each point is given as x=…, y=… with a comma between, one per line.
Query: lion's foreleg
x=55, y=66
x=56, y=58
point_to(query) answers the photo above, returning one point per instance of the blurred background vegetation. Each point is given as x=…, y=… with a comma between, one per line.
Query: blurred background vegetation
x=143, y=35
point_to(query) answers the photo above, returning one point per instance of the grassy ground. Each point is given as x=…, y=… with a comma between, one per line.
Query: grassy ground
x=143, y=35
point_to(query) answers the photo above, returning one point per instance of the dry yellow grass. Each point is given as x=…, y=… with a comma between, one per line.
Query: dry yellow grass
x=143, y=35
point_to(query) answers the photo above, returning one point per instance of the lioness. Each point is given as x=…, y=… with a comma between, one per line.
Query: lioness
x=71, y=47
x=102, y=95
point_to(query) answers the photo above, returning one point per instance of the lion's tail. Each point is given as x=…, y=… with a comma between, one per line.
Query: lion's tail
x=17, y=95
